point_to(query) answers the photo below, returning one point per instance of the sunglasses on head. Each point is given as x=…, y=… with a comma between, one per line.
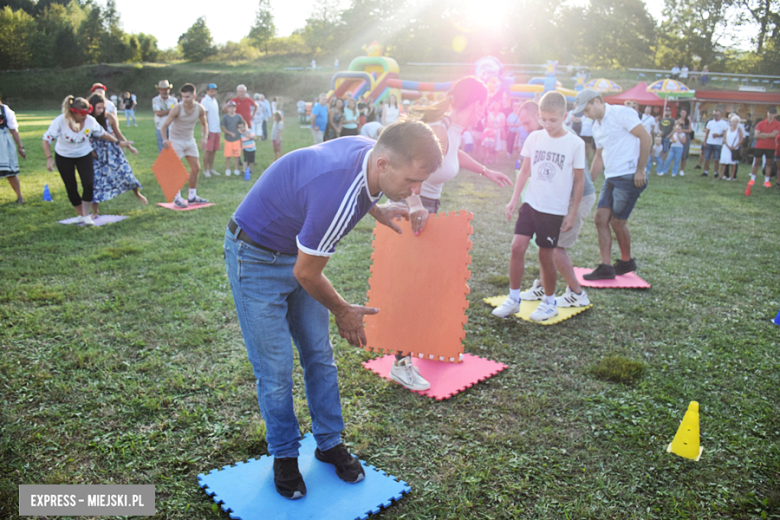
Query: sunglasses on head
x=81, y=111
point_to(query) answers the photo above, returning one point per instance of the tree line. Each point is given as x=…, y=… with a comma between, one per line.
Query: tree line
x=602, y=33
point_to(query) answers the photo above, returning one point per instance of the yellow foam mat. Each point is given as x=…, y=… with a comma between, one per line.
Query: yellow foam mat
x=527, y=307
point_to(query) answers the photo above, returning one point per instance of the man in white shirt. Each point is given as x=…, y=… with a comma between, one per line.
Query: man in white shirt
x=675, y=72
x=713, y=141
x=648, y=120
x=684, y=73
x=371, y=130
x=211, y=106
x=161, y=106
x=622, y=148
x=302, y=112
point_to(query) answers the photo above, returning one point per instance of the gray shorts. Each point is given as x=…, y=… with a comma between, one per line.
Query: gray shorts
x=566, y=240
x=185, y=148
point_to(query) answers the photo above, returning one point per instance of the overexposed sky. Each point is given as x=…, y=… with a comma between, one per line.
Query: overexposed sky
x=230, y=22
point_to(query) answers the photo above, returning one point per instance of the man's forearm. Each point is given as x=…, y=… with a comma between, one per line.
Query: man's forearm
x=320, y=288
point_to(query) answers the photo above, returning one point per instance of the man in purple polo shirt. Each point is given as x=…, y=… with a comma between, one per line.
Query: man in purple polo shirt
x=276, y=247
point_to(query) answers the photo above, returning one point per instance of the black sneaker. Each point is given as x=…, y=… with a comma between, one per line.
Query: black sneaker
x=703, y=174
x=288, y=480
x=622, y=267
x=697, y=167
x=602, y=272
x=348, y=468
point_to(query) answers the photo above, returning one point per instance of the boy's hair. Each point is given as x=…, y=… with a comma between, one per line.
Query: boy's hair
x=553, y=102
x=529, y=106
x=241, y=123
x=187, y=87
x=278, y=116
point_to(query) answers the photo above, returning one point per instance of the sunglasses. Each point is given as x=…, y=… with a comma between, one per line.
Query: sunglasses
x=82, y=111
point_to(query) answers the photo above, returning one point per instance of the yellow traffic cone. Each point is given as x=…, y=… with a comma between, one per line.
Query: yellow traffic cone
x=686, y=442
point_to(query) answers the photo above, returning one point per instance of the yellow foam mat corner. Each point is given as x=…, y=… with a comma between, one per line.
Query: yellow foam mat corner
x=527, y=307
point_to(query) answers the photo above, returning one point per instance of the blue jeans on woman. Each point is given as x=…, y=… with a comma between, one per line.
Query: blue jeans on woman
x=675, y=155
x=129, y=112
x=274, y=309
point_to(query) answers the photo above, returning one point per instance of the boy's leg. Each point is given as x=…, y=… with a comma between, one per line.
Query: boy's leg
x=564, y=266
x=194, y=171
x=517, y=260
x=603, y=216
x=548, y=273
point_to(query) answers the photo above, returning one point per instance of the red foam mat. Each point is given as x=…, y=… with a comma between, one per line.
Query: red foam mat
x=623, y=281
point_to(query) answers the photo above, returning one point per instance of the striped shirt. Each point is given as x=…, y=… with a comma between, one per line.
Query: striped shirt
x=248, y=142
x=311, y=198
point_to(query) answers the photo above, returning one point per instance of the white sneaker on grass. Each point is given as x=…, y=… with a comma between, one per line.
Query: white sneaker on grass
x=407, y=375
x=206, y=173
x=682, y=173
x=536, y=292
x=572, y=299
x=214, y=172
x=227, y=172
x=87, y=220
x=507, y=308
x=237, y=173
x=544, y=312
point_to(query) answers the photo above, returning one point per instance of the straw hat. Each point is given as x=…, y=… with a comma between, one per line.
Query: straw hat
x=163, y=84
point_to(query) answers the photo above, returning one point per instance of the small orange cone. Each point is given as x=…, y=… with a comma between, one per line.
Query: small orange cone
x=686, y=442
x=747, y=190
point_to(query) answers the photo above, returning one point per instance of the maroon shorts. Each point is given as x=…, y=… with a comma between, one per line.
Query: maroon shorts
x=212, y=145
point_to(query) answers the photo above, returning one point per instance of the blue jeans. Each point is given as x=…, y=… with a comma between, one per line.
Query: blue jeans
x=129, y=112
x=620, y=195
x=272, y=309
x=658, y=163
x=675, y=155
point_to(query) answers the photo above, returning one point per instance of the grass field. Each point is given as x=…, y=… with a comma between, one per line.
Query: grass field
x=122, y=360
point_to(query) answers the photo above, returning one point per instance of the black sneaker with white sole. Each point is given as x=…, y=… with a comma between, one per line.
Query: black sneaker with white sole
x=348, y=468
x=197, y=200
x=288, y=480
x=622, y=267
x=602, y=272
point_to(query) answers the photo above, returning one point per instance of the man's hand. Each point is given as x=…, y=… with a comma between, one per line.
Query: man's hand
x=640, y=178
x=568, y=222
x=203, y=142
x=386, y=214
x=165, y=144
x=419, y=218
x=350, y=324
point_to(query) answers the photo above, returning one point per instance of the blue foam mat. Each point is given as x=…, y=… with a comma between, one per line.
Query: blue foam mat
x=246, y=491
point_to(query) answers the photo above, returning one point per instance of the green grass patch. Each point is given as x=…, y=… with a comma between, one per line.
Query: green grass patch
x=617, y=369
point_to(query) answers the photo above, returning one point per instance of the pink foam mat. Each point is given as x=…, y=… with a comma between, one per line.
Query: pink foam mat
x=446, y=379
x=101, y=220
x=171, y=205
x=623, y=281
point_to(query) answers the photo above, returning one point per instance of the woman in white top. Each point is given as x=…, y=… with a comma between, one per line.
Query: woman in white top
x=10, y=145
x=677, y=140
x=391, y=112
x=464, y=106
x=732, y=142
x=73, y=151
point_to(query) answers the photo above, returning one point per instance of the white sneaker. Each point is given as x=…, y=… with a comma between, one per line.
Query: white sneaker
x=544, y=312
x=407, y=375
x=87, y=220
x=682, y=173
x=237, y=173
x=660, y=174
x=509, y=306
x=572, y=299
x=536, y=292
x=214, y=172
x=206, y=173
x=227, y=172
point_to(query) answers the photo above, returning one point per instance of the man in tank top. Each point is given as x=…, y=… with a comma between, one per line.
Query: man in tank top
x=182, y=119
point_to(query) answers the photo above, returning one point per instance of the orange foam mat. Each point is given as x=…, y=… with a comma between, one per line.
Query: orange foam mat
x=170, y=173
x=419, y=284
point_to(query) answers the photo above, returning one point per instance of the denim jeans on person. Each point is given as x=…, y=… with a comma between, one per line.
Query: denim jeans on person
x=620, y=195
x=160, y=139
x=129, y=112
x=659, y=162
x=272, y=309
x=675, y=156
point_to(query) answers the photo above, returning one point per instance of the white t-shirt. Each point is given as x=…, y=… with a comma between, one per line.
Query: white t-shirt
x=468, y=137
x=587, y=127
x=159, y=104
x=553, y=161
x=391, y=114
x=301, y=107
x=10, y=118
x=648, y=121
x=69, y=143
x=684, y=73
x=371, y=130
x=619, y=147
x=716, y=127
x=450, y=165
x=213, y=116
